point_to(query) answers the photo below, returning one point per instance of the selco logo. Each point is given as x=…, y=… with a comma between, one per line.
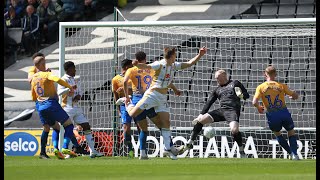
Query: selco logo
x=20, y=144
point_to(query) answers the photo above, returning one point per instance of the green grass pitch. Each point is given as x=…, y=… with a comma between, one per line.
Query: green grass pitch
x=119, y=168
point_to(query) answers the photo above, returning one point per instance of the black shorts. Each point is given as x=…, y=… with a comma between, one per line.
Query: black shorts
x=225, y=115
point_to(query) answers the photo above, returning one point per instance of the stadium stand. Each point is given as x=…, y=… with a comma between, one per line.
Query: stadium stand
x=279, y=9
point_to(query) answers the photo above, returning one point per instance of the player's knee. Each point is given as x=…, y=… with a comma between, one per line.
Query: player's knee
x=133, y=111
x=277, y=133
x=143, y=124
x=56, y=126
x=127, y=128
x=291, y=133
x=234, y=127
x=67, y=123
x=46, y=128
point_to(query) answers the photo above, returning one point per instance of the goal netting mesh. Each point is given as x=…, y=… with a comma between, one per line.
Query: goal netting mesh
x=243, y=51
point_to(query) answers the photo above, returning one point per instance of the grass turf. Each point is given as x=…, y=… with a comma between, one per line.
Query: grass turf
x=118, y=168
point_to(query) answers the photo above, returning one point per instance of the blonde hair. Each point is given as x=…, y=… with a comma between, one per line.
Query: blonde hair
x=221, y=71
x=270, y=70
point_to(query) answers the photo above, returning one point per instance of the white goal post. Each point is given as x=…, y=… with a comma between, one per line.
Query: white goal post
x=244, y=48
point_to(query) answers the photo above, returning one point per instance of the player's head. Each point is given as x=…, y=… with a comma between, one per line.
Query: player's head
x=69, y=68
x=37, y=54
x=40, y=63
x=126, y=64
x=221, y=77
x=270, y=73
x=141, y=57
x=170, y=54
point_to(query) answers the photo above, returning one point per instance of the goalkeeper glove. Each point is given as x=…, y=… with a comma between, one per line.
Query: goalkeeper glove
x=238, y=92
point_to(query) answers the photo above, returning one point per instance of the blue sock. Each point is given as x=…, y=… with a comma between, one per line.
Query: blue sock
x=66, y=142
x=143, y=140
x=69, y=134
x=127, y=139
x=293, y=144
x=55, y=138
x=283, y=143
x=44, y=139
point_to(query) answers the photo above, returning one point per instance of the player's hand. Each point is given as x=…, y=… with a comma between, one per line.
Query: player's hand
x=177, y=92
x=202, y=51
x=135, y=62
x=120, y=89
x=238, y=92
x=127, y=101
x=260, y=109
x=74, y=86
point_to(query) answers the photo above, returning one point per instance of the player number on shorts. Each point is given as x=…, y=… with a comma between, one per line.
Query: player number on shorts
x=277, y=102
x=40, y=90
x=147, y=79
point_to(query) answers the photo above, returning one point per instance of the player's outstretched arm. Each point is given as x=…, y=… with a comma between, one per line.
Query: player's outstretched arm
x=194, y=60
x=61, y=90
x=59, y=81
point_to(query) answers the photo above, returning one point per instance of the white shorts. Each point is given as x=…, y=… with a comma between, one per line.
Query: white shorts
x=154, y=99
x=76, y=115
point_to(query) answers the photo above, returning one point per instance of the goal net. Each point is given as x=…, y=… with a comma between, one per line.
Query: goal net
x=244, y=48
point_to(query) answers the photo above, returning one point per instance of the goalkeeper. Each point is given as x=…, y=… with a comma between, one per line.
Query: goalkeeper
x=229, y=93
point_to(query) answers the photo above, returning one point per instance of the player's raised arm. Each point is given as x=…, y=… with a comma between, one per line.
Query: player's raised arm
x=194, y=60
x=244, y=93
x=59, y=81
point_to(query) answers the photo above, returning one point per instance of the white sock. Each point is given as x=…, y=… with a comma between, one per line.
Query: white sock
x=142, y=152
x=90, y=142
x=166, y=134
